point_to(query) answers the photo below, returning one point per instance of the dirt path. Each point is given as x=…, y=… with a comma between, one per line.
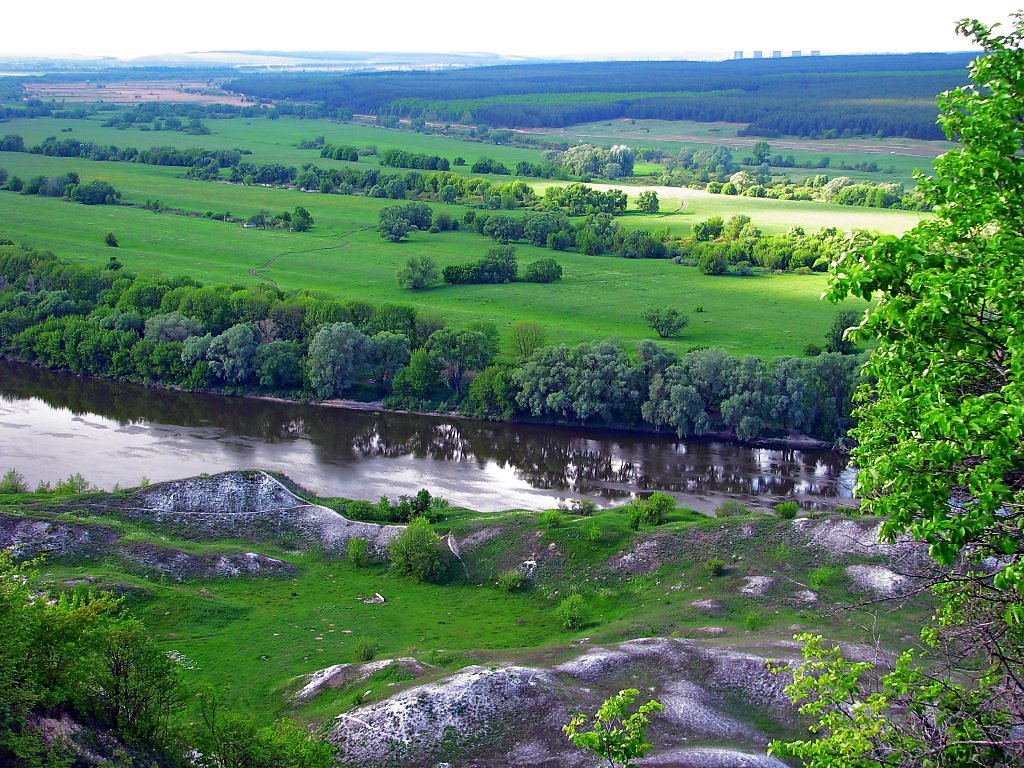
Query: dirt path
x=345, y=243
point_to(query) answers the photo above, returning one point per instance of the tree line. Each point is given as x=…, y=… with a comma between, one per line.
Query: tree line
x=807, y=96
x=110, y=323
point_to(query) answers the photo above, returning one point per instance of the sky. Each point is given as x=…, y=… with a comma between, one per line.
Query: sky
x=530, y=28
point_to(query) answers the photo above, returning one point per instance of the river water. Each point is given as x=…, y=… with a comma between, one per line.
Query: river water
x=52, y=425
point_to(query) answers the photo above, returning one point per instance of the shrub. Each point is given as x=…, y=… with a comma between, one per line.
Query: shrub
x=593, y=531
x=665, y=321
x=365, y=649
x=584, y=507
x=74, y=484
x=13, y=482
x=511, y=581
x=358, y=553
x=787, y=510
x=754, y=621
x=731, y=509
x=361, y=510
x=715, y=566
x=572, y=613
x=551, y=518
x=543, y=271
x=824, y=577
x=811, y=350
x=417, y=552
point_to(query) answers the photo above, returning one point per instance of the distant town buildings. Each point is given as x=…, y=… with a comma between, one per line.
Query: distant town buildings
x=737, y=55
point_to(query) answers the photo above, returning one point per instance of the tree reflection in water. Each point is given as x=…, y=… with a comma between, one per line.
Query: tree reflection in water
x=560, y=461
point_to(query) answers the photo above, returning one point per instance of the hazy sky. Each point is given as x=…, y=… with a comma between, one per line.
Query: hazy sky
x=556, y=28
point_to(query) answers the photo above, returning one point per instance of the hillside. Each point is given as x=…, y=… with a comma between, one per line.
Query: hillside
x=246, y=577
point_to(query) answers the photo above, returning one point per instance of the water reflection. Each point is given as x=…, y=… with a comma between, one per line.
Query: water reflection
x=52, y=425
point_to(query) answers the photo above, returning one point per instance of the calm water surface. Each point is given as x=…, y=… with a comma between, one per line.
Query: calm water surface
x=52, y=425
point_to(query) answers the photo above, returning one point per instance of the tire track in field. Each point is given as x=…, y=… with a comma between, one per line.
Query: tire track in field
x=345, y=243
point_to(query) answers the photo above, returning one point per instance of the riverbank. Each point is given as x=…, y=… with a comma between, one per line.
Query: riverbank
x=118, y=433
x=797, y=441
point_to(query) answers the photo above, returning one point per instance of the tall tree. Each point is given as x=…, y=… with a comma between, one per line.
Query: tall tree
x=941, y=446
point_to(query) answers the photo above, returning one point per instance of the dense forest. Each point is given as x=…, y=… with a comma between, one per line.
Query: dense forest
x=809, y=96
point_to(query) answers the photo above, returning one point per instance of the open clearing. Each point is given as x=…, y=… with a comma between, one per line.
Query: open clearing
x=135, y=92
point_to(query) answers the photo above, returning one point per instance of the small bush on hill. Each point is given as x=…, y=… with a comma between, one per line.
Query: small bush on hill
x=731, y=509
x=511, y=581
x=358, y=553
x=418, y=552
x=787, y=510
x=715, y=566
x=551, y=518
x=365, y=649
x=572, y=613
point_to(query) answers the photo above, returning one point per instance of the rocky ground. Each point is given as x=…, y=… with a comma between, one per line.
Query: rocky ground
x=512, y=715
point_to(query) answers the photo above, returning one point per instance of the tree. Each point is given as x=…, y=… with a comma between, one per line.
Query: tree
x=836, y=339
x=302, y=220
x=665, y=321
x=647, y=201
x=418, y=273
x=455, y=352
x=232, y=355
x=337, y=356
x=615, y=736
x=417, y=551
x=543, y=271
x=939, y=444
x=389, y=353
x=393, y=225
x=526, y=337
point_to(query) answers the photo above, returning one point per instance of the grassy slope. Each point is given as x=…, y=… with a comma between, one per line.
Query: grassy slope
x=255, y=635
x=599, y=297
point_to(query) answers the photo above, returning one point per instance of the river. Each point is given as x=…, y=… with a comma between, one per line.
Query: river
x=52, y=425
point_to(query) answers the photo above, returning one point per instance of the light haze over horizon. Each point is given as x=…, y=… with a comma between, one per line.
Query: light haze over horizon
x=528, y=28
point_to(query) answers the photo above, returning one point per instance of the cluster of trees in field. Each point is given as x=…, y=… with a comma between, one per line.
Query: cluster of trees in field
x=400, y=158
x=716, y=245
x=809, y=96
x=111, y=323
x=68, y=185
x=195, y=158
x=84, y=658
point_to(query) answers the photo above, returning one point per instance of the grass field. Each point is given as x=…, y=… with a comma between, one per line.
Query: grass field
x=253, y=637
x=897, y=159
x=599, y=297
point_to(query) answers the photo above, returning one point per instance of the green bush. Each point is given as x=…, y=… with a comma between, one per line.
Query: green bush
x=13, y=482
x=551, y=518
x=715, y=566
x=417, y=552
x=731, y=509
x=754, y=621
x=825, y=576
x=365, y=649
x=358, y=551
x=650, y=511
x=511, y=581
x=787, y=510
x=572, y=613
x=593, y=531
x=361, y=510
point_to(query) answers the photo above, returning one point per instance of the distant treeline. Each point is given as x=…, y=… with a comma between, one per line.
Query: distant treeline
x=890, y=95
x=257, y=339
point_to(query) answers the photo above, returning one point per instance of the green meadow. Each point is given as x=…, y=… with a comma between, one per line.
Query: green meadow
x=254, y=636
x=598, y=297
